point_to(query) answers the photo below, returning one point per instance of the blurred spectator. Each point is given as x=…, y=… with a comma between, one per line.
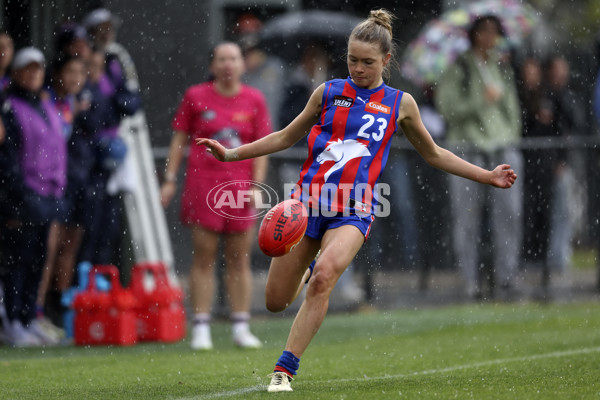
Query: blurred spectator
x=121, y=85
x=6, y=56
x=550, y=110
x=304, y=78
x=540, y=164
x=402, y=224
x=72, y=39
x=33, y=169
x=432, y=203
x=311, y=71
x=226, y=110
x=478, y=99
x=569, y=113
x=67, y=81
x=568, y=120
x=264, y=71
x=104, y=212
x=101, y=26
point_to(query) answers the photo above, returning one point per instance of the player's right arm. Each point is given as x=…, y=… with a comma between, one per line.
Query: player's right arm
x=412, y=125
x=275, y=141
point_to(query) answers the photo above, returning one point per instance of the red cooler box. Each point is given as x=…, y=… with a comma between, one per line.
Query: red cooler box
x=105, y=317
x=160, y=312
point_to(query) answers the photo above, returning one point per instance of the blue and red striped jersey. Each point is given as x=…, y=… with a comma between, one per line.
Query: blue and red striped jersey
x=348, y=148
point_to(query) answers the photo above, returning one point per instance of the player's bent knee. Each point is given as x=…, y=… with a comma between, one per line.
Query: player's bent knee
x=276, y=301
x=276, y=306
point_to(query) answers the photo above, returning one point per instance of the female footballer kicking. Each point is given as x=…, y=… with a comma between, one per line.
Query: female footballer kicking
x=356, y=116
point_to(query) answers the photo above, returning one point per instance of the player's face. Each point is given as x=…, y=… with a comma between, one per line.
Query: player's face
x=366, y=63
x=228, y=63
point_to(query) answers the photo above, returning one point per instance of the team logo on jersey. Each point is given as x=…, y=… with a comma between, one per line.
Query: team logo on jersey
x=343, y=101
x=228, y=137
x=376, y=107
x=208, y=115
x=341, y=152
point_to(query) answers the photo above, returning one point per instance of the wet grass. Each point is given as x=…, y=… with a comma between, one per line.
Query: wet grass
x=490, y=351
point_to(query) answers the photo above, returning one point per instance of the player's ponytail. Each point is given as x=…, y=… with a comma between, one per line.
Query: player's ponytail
x=377, y=29
x=382, y=17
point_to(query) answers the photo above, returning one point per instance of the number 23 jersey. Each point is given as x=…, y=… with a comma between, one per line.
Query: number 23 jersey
x=348, y=148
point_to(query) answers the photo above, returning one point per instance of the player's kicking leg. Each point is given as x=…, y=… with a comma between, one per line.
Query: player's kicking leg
x=288, y=273
x=340, y=246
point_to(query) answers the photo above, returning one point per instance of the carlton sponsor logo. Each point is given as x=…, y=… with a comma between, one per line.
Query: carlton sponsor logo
x=343, y=101
x=377, y=107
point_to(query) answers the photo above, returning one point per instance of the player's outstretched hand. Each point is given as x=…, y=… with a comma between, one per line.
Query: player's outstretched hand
x=503, y=176
x=215, y=148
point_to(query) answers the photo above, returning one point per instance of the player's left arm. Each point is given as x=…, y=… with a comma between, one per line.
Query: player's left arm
x=409, y=119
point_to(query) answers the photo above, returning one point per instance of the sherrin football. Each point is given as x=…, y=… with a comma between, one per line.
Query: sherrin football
x=282, y=228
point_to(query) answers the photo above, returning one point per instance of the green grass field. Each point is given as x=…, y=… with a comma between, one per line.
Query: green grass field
x=487, y=351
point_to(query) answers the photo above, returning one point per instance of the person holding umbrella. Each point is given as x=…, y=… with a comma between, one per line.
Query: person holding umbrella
x=360, y=113
x=477, y=97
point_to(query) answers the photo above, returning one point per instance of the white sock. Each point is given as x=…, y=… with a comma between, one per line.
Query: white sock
x=201, y=319
x=239, y=321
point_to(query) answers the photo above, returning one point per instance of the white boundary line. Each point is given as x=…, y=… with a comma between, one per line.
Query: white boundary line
x=555, y=354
